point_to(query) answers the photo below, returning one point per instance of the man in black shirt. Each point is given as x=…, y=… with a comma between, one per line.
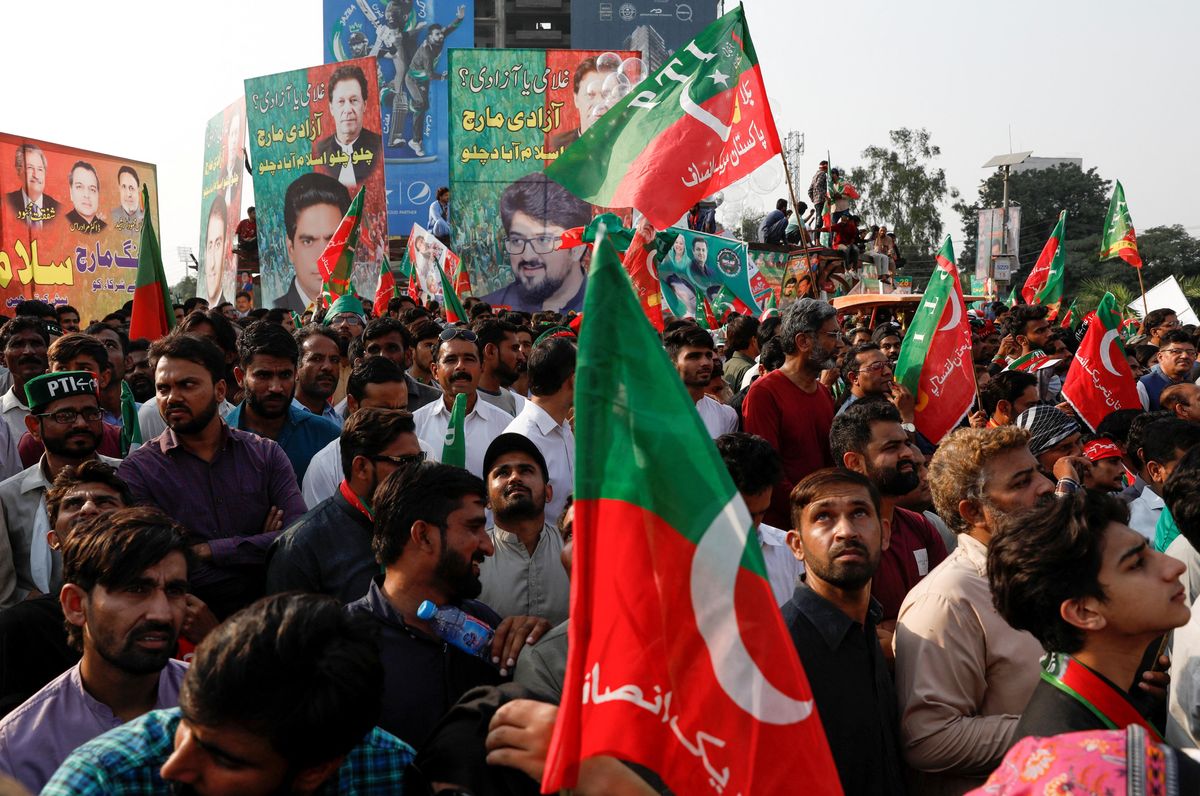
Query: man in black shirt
x=832, y=619
x=1096, y=596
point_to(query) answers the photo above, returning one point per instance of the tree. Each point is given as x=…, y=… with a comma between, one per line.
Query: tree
x=901, y=188
x=183, y=289
x=1166, y=251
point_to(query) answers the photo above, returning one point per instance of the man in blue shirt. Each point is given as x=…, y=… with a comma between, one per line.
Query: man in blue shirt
x=281, y=698
x=267, y=357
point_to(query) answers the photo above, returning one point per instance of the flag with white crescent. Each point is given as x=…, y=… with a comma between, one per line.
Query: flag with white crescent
x=679, y=658
x=935, y=362
x=1100, y=381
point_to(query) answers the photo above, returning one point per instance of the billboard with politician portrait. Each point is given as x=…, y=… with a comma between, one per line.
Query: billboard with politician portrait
x=70, y=226
x=314, y=142
x=511, y=113
x=410, y=39
x=221, y=202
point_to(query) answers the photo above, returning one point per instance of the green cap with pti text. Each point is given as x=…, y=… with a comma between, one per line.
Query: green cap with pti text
x=48, y=387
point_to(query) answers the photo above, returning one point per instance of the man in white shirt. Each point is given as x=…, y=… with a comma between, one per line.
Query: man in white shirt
x=755, y=468
x=503, y=361
x=1163, y=444
x=691, y=351
x=457, y=368
x=544, y=418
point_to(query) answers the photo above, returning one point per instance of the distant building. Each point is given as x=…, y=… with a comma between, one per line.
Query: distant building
x=654, y=50
x=1033, y=163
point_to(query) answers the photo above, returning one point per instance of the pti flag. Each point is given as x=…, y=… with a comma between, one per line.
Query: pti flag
x=679, y=658
x=454, y=308
x=698, y=124
x=638, y=262
x=1119, y=238
x=935, y=358
x=1100, y=381
x=153, y=315
x=454, y=447
x=1044, y=285
x=386, y=290
x=336, y=263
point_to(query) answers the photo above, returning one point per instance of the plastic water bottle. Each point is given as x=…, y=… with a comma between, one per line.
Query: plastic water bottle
x=455, y=626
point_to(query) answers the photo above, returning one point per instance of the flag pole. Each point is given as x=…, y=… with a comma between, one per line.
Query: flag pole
x=1142, y=287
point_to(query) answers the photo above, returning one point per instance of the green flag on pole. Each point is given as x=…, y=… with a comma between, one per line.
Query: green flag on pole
x=454, y=449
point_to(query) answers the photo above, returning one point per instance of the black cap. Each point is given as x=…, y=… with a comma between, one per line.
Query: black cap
x=509, y=442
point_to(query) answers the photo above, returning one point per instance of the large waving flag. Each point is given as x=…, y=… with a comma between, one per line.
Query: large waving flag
x=336, y=263
x=935, y=358
x=1044, y=285
x=673, y=627
x=153, y=315
x=1119, y=238
x=698, y=124
x=1100, y=381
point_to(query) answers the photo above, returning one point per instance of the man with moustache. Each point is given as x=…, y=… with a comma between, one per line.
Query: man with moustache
x=85, y=198
x=139, y=375
x=249, y=488
x=431, y=540
x=128, y=214
x=65, y=417
x=388, y=337
x=319, y=371
x=24, y=341
x=30, y=202
x=457, y=368
x=789, y=407
x=535, y=212
x=362, y=149
x=125, y=601
x=833, y=620
x=267, y=373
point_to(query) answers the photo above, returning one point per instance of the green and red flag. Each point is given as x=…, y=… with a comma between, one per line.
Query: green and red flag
x=336, y=263
x=1012, y=297
x=387, y=288
x=459, y=278
x=1071, y=319
x=454, y=447
x=1119, y=238
x=1033, y=361
x=454, y=308
x=679, y=658
x=1100, y=381
x=153, y=314
x=1044, y=285
x=696, y=125
x=409, y=269
x=935, y=358
x=638, y=262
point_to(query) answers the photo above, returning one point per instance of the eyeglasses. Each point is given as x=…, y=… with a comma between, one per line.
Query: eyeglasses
x=451, y=332
x=1179, y=352
x=348, y=319
x=876, y=367
x=65, y=417
x=401, y=461
x=542, y=244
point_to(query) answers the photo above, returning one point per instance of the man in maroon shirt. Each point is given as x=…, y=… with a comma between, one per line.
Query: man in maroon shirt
x=789, y=407
x=868, y=438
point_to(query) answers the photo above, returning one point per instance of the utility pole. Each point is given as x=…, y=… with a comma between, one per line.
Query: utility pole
x=1002, y=263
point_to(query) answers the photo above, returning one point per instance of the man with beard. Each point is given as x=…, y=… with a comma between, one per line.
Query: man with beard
x=456, y=366
x=691, y=351
x=888, y=337
x=124, y=599
x=139, y=376
x=832, y=619
x=267, y=373
x=536, y=212
x=320, y=368
x=868, y=439
x=66, y=420
x=503, y=362
x=525, y=574
x=388, y=337
x=115, y=344
x=789, y=407
x=24, y=341
x=347, y=319
x=235, y=490
x=328, y=550
x=868, y=371
x=964, y=674
x=431, y=540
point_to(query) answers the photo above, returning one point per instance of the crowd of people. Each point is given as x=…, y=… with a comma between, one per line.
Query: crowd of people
x=236, y=560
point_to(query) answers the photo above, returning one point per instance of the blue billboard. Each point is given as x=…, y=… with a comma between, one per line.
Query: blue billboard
x=655, y=27
x=410, y=38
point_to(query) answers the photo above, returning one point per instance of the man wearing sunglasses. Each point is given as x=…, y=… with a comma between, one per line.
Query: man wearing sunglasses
x=328, y=550
x=457, y=366
x=536, y=212
x=65, y=417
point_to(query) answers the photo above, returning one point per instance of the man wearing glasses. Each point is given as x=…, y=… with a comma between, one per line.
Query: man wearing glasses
x=868, y=371
x=65, y=417
x=535, y=212
x=328, y=550
x=1176, y=355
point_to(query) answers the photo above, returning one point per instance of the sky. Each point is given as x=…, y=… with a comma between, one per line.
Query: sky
x=1108, y=82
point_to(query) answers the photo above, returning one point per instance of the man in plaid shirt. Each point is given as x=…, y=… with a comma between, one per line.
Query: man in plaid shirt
x=281, y=698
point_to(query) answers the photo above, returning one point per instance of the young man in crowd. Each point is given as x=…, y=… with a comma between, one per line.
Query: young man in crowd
x=386, y=337
x=1107, y=471
x=741, y=348
x=1163, y=444
x=1007, y=395
x=1096, y=595
x=503, y=362
x=282, y=698
x=251, y=488
x=24, y=341
x=125, y=601
x=833, y=622
x=691, y=351
x=425, y=339
x=1053, y=435
x=524, y=575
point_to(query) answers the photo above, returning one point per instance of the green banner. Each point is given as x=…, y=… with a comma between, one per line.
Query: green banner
x=701, y=266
